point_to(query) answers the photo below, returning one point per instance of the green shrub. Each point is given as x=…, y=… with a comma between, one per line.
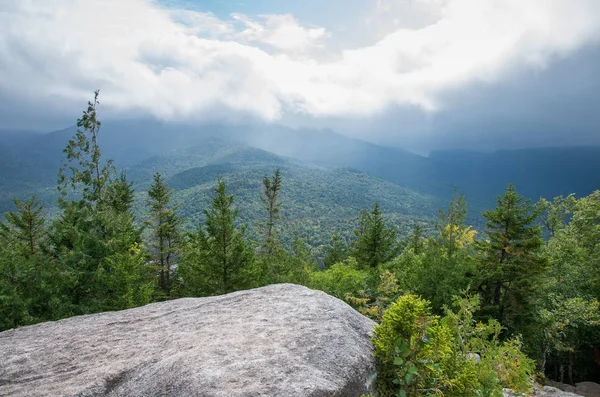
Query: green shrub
x=374, y=303
x=419, y=354
x=340, y=279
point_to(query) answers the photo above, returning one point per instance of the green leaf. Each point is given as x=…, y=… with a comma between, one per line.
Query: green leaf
x=398, y=361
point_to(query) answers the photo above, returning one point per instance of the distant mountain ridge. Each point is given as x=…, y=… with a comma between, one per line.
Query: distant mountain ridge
x=29, y=165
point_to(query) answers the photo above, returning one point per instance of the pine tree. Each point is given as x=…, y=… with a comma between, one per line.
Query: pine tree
x=510, y=259
x=336, y=253
x=96, y=224
x=26, y=227
x=27, y=277
x=272, y=188
x=83, y=171
x=165, y=225
x=416, y=241
x=375, y=242
x=217, y=259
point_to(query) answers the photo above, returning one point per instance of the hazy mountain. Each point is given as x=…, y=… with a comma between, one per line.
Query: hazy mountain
x=29, y=164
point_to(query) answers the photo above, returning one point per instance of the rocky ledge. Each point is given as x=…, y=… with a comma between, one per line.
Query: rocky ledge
x=280, y=340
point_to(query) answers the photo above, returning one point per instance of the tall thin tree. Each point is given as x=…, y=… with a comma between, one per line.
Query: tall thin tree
x=165, y=226
x=272, y=188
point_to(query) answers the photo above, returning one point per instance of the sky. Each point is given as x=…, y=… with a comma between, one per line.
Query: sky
x=420, y=74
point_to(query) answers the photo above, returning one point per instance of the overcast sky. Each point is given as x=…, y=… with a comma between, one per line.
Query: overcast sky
x=422, y=74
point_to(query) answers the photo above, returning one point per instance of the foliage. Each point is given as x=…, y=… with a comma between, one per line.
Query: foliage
x=419, y=354
x=83, y=170
x=272, y=188
x=373, y=305
x=29, y=279
x=218, y=251
x=375, y=242
x=128, y=282
x=341, y=279
x=438, y=268
x=511, y=258
x=409, y=346
x=557, y=213
x=87, y=254
x=337, y=251
x=164, y=225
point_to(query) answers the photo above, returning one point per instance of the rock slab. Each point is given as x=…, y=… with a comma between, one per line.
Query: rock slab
x=543, y=391
x=585, y=389
x=280, y=340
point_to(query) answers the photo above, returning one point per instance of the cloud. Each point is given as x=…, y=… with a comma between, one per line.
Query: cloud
x=282, y=32
x=178, y=63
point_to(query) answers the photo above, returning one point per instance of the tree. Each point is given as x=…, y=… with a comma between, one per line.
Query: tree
x=272, y=259
x=165, y=225
x=375, y=243
x=566, y=324
x=272, y=188
x=557, y=212
x=26, y=227
x=336, y=253
x=29, y=281
x=451, y=225
x=442, y=261
x=96, y=224
x=510, y=259
x=217, y=259
x=83, y=169
x=416, y=242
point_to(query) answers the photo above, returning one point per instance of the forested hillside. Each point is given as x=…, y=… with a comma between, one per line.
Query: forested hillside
x=28, y=164
x=520, y=292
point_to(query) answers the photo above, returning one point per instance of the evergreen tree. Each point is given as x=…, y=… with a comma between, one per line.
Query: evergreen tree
x=510, y=259
x=26, y=227
x=272, y=188
x=272, y=257
x=217, y=259
x=336, y=253
x=299, y=263
x=165, y=225
x=96, y=224
x=83, y=171
x=416, y=242
x=375, y=243
x=29, y=281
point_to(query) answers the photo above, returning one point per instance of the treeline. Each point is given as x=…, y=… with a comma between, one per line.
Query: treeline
x=534, y=270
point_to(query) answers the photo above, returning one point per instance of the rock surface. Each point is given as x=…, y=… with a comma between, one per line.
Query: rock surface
x=545, y=391
x=585, y=389
x=280, y=340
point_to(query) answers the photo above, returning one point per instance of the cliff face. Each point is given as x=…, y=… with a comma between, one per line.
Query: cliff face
x=280, y=340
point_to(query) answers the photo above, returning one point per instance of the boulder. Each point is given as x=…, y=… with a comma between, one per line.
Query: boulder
x=280, y=340
x=585, y=389
x=542, y=391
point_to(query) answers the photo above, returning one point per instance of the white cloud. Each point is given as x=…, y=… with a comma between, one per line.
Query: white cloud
x=282, y=32
x=177, y=63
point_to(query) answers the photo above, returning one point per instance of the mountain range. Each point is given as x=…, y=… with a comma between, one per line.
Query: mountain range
x=328, y=177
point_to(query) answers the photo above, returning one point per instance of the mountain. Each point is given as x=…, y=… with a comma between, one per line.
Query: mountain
x=540, y=172
x=317, y=200
x=324, y=170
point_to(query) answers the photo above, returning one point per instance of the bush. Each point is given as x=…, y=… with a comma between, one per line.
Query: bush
x=340, y=279
x=374, y=304
x=419, y=354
